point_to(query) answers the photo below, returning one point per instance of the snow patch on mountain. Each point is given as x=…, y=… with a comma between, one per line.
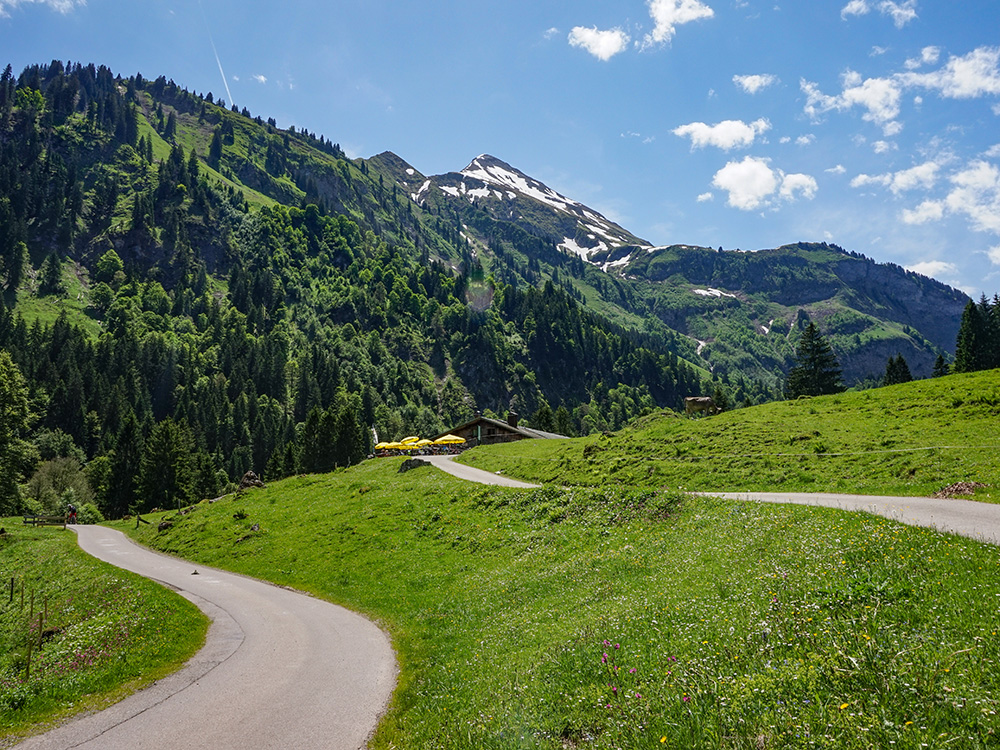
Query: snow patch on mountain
x=713, y=293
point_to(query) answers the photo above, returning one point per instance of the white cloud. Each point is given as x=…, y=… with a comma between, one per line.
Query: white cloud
x=992, y=152
x=728, y=134
x=901, y=13
x=935, y=269
x=879, y=97
x=976, y=194
x=63, y=6
x=884, y=147
x=752, y=184
x=754, y=83
x=967, y=77
x=921, y=176
x=551, y=33
x=805, y=140
x=667, y=15
x=705, y=197
x=785, y=139
x=855, y=8
x=925, y=212
x=839, y=169
x=798, y=183
x=602, y=44
x=994, y=255
x=260, y=78
x=878, y=51
x=928, y=56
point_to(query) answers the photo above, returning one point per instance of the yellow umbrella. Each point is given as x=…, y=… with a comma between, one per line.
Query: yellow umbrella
x=449, y=440
x=424, y=442
x=408, y=446
x=411, y=439
x=382, y=446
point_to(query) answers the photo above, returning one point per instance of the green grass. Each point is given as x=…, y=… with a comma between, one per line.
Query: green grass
x=107, y=632
x=911, y=439
x=608, y=618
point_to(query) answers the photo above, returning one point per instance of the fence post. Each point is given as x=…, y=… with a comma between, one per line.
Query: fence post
x=11, y=590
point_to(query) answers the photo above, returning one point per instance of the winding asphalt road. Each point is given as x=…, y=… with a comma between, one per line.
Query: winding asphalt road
x=279, y=669
x=284, y=670
x=979, y=521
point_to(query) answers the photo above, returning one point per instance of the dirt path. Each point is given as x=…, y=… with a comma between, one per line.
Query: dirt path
x=279, y=669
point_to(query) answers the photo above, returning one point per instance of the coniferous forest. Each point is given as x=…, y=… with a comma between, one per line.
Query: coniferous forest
x=190, y=293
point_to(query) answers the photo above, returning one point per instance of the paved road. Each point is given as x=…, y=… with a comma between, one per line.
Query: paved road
x=980, y=521
x=279, y=669
x=447, y=464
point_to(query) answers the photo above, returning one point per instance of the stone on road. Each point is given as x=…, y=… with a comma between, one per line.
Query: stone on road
x=279, y=669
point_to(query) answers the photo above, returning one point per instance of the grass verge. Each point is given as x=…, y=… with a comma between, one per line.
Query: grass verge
x=612, y=617
x=104, y=632
x=911, y=439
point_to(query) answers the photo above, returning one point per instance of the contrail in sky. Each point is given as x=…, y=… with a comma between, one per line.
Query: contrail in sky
x=225, y=83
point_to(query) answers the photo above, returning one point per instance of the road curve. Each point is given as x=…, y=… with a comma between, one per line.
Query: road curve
x=279, y=669
x=447, y=464
x=979, y=521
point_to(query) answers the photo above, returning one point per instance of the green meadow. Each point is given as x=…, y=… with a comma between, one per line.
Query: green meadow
x=910, y=439
x=612, y=609
x=614, y=617
x=104, y=632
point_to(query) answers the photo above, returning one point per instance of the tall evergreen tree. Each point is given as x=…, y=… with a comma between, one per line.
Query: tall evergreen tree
x=15, y=417
x=897, y=371
x=972, y=342
x=167, y=472
x=940, y=367
x=817, y=371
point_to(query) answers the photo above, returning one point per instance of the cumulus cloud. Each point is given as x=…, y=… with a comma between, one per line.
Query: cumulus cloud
x=878, y=97
x=63, y=6
x=667, y=15
x=551, y=33
x=972, y=75
x=727, y=135
x=994, y=255
x=928, y=56
x=884, y=147
x=753, y=184
x=805, y=140
x=925, y=212
x=900, y=13
x=935, y=269
x=754, y=83
x=602, y=44
x=839, y=169
x=923, y=176
x=705, y=197
x=974, y=194
x=260, y=79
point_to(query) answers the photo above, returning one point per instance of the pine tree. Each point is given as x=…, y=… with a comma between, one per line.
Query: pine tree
x=897, y=371
x=817, y=371
x=940, y=367
x=167, y=470
x=971, y=345
x=15, y=418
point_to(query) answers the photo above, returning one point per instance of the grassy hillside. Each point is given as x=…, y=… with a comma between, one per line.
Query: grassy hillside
x=105, y=632
x=910, y=439
x=607, y=618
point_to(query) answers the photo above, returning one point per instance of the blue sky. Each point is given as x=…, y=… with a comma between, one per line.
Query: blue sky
x=872, y=124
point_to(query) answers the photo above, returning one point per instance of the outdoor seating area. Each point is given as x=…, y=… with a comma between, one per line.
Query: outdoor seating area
x=416, y=446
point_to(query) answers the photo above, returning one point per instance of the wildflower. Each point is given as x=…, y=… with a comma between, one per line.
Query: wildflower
x=844, y=705
x=632, y=670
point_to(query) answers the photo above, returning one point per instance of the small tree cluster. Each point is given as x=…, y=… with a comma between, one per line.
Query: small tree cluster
x=817, y=371
x=978, y=344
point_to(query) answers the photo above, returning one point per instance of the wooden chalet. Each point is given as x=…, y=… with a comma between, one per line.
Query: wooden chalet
x=485, y=431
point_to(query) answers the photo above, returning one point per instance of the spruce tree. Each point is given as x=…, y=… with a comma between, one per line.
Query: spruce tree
x=817, y=371
x=940, y=367
x=897, y=371
x=971, y=344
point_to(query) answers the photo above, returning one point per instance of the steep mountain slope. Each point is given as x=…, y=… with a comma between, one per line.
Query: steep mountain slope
x=739, y=311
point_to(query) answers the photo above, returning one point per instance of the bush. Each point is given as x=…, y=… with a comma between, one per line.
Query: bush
x=89, y=513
